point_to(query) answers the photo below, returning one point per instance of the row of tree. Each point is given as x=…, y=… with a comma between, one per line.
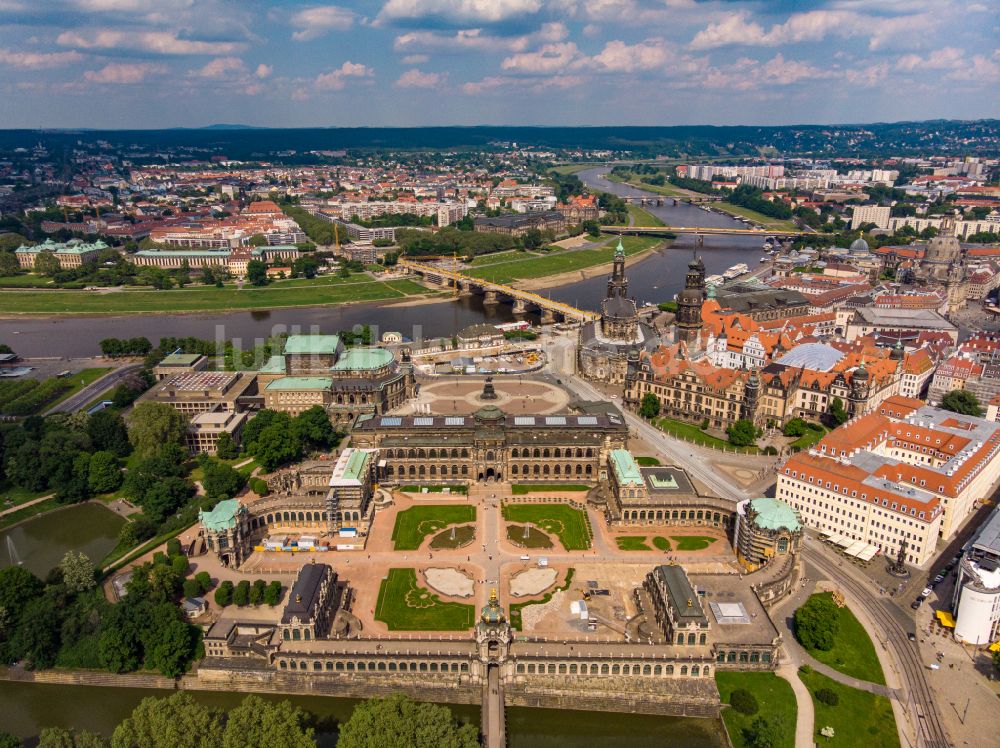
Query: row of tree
x=179, y=721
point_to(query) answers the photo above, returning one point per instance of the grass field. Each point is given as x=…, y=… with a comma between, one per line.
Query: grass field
x=808, y=439
x=205, y=299
x=853, y=652
x=767, y=222
x=404, y=606
x=661, y=543
x=562, y=262
x=536, y=538
x=79, y=380
x=24, y=281
x=416, y=523
x=632, y=543
x=573, y=168
x=642, y=217
x=463, y=536
x=777, y=704
x=515, y=608
x=859, y=719
x=692, y=433
x=567, y=523
x=647, y=461
x=692, y=542
x=667, y=190
x=497, y=257
x=520, y=489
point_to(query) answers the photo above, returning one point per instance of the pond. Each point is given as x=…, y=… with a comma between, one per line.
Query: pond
x=40, y=543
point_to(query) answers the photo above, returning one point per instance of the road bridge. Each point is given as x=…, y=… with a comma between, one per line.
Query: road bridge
x=701, y=230
x=494, y=293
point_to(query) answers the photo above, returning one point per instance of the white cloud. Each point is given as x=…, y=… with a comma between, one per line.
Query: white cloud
x=418, y=79
x=980, y=69
x=263, y=71
x=535, y=86
x=738, y=28
x=38, y=60
x=458, y=11
x=124, y=72
x=939, y=59
x=155, y=42
x=548, y=59
x=475, y=39
x=746, y=74
x=221, y=67
x=313, y=23
x=617, y=56
x=415, y=59
x=336, y=80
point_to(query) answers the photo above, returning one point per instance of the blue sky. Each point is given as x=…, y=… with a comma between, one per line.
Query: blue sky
x=136, y=63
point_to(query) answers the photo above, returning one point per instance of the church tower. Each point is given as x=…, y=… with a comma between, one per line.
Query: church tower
x=751, y=395
x=617, y=282
x=689, y=301
x=858, y=397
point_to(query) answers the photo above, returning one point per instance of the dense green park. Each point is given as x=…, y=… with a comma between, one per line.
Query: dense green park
x=403, y=605
x=563, y=521
x=413, y=525
x=851, y=650
x=775, y=703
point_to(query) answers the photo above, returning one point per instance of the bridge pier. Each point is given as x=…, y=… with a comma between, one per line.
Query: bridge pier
x=464, y=289
x=491, y=298
x=520, y=306
x=549, y=317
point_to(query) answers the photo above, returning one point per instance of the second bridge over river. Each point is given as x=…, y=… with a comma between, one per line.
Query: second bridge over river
x=495, y=293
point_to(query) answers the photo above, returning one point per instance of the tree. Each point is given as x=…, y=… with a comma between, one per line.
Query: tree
x=275, y=446
x=58, y=737
x=744, y=702
x=224, y=594
x=764, y=733
x=650, y=406
x=742, y=433
x=46, y=264
x=166, y=497
x=18, y=586
x=400, y=721
x=533, y=239
x=257, y=591
x=191, y=588
x=838, y=415
x=9, y=264
x=77, y=571
x=220, y=480
x=107, y=432
x=261, y=421
x=313, y=428
x=118, y=646
x=827, y=696
x=962, y=401
x=177, y=720
x=153, y=425
x=104, y=474
x=8, y=741
x=168, y=641
x=225, y=447
x=795, y=427
x=273, y=593
x=257, y=722
x=816, y=623
x=241, y=596
x=257, y=273
x=36, y=639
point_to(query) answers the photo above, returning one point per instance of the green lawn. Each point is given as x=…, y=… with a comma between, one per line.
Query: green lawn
x=561, y=262
x=416, y=523
x=463, y=536
x=642, y=217
x=853, y=652
x=809, y=438
x=767, y=222
x=203, y=298
x=648, y=461
x=493, y=258
x=535, y=537
x=859, y=719
x=776, y=699
x=24, y=281
x=569, y=524
x=573, y=168
x=692, y=542
x=632, y=543
x=404, y=606
x=514, y=611
x=668, y=190
x=29, y=511
x=661, y=543
x=17, y=495
x=520, y=489
x=692, y=433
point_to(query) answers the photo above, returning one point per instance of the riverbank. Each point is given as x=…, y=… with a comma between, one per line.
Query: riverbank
x=594, y=271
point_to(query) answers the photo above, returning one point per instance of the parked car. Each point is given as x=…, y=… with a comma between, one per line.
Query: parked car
x=926, y=591
x=911, y=636
x=916, y=603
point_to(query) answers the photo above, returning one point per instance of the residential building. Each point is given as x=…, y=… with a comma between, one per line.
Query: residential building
x=876, y=214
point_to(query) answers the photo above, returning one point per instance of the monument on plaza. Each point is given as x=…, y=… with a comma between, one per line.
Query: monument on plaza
x=489, y=393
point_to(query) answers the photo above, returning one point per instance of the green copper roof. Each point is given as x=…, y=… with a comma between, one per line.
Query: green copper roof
x=274, y=365
x=180, y=359
x=312, y=344
x=363, y=358
x=223, y=517
x=774, y=514
x=300, y=383
x=619, y=250
x=626, y=468
x=356, y=463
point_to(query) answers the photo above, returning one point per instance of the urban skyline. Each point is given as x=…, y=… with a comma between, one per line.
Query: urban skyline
x=127, y=63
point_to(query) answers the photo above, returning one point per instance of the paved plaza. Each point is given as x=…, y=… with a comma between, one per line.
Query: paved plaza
x=461, y=396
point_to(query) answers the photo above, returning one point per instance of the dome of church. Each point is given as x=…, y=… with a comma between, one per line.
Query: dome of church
x=942, y=249
x=859, y=247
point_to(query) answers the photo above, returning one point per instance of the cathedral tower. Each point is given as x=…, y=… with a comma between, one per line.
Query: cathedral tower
x=689, y=301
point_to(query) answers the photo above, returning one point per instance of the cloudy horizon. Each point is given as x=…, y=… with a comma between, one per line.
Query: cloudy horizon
x=190, y=63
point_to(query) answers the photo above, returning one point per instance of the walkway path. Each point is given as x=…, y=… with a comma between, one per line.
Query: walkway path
x=805, y=714
x=19, y=507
